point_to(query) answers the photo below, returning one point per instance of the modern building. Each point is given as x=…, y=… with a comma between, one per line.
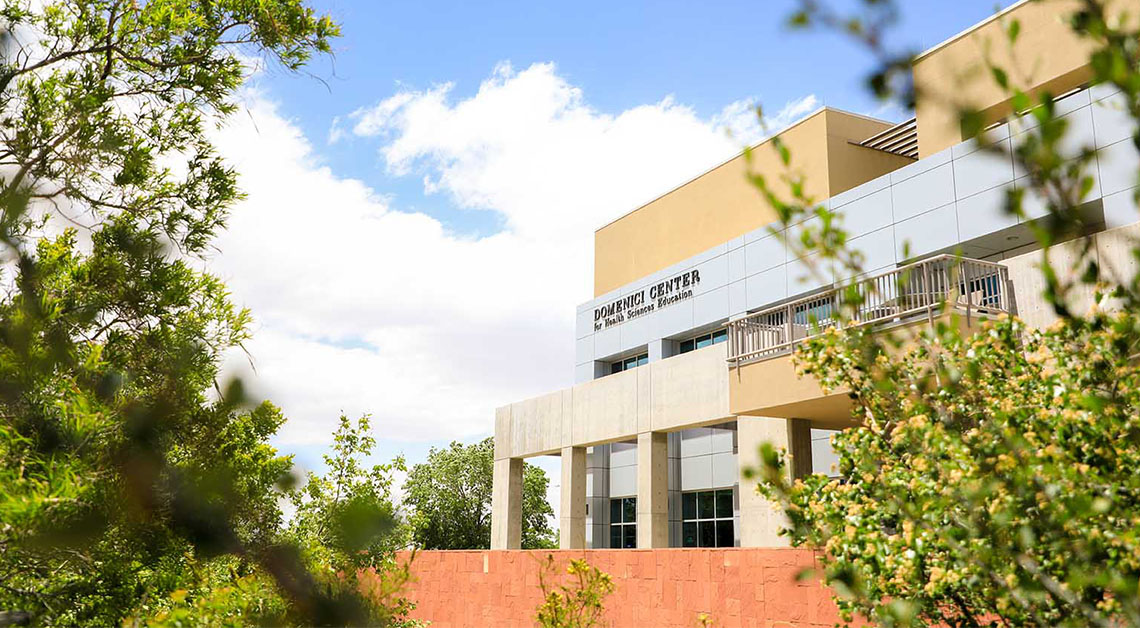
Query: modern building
x=683, y=360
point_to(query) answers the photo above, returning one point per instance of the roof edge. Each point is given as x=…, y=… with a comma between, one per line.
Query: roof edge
x=821, y=109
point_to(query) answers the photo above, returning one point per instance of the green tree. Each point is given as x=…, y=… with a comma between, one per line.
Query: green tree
x=992, y=479
x=128, y=473
x=449, y=500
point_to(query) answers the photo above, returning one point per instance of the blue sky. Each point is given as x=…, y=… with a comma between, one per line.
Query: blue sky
x=416, y=251
x=622, y=54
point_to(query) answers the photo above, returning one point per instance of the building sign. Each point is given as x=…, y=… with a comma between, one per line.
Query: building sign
x=647, y=300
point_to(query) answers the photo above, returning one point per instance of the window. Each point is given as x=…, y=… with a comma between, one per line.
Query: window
x=628, y=363
x=623, y=522
x=700, y=342
x=706, y=519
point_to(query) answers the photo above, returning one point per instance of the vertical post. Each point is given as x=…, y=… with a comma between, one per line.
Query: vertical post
x=760, y=519
x=506, y=504
x=652, y=490
x=572, y=518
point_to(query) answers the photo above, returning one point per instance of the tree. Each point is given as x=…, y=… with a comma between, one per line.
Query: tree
x=992, y=479
x=449, y=498
x=128, y=472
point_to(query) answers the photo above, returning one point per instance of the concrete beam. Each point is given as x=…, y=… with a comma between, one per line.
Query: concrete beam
x=652, y=490
x=572, y=516
x=506, y=504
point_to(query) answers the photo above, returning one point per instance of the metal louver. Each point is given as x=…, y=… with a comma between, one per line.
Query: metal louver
x=901, y=139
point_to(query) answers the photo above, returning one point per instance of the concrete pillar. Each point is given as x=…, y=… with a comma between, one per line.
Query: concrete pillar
x=760, y=519
x=572, y=515
x=799, y=447
x=506, y=504
x=652, y=490
x=662, y=348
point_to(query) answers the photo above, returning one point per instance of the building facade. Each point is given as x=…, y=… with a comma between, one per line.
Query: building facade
x=683, y=357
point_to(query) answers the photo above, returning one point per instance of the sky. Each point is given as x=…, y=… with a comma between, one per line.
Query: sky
x=418, y=225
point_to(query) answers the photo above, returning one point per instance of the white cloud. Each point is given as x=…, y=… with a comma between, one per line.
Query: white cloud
x=362, y=307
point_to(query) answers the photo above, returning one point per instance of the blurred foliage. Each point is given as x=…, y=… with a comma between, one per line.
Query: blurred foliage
x=134, y=484
x=992, y=479
x=449, y=500
x=577, y=604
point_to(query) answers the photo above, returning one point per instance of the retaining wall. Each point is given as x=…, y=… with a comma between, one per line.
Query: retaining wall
x=653, y=587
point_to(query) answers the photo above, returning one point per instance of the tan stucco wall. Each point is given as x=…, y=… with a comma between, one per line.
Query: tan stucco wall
x=1046, y=56
x=688, y=390
x=722, y=204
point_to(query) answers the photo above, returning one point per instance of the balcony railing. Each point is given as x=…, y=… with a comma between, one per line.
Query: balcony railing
x=907, y=293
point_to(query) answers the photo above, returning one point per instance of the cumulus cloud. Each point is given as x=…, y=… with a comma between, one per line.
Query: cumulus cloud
x=365, y=307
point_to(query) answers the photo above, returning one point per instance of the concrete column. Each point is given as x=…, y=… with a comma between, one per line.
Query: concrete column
x=572, y=516
x=506, y=504
x=662, y=348
x=799, y=448
x=652, y=490
x=760, y=519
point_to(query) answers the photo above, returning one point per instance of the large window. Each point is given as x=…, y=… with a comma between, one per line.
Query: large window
x=706, y=519
x=623, y=522
x=628, y=363
x=700, y=342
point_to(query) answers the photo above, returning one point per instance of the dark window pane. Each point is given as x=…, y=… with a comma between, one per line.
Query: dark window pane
x=689, y=506
x=708, y=533
x=643, y=360
x=630, y=363
x=724, y=503
x=720, y=336
x=615, y=511
x=686, y=346
x=724, y=533
x=615, y=368
x=689, y=534
x=629, y=535
x=705, y=505
x=629, y=509
x=615, y=536
x=704, y=341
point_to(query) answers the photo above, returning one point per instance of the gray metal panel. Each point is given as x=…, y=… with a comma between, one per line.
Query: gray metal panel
x=917, y=195
x=714, y=274
x=984, y=213
x=1111, y=121
x=710, y=307
x=696, y=473
x=878, y=247
x=623, y=482
x=868, y=214
x=724, y=470
x=982, y=170
x=695, y=442
x=737, y=298
x=764, y=253
x=930, y=232
x=1118, y=166
x=767, y=287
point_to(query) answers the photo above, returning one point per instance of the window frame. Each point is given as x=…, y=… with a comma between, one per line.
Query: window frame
x=719, y=523
x=627, y=529
x=714, y=337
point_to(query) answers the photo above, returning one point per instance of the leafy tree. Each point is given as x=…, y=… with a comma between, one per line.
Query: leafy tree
x=992, y=479
x=449, y=498
x=128, y=473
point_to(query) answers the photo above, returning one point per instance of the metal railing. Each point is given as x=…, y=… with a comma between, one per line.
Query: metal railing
x=905, y=293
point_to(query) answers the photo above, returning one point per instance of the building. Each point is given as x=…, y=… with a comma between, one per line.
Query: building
x=683, y=363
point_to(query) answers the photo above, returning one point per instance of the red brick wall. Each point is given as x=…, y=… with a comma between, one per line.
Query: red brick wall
x=654, y=588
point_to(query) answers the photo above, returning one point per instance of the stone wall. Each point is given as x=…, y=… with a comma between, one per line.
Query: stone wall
x=654, y=587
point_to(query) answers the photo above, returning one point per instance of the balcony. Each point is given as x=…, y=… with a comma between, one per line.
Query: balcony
x=763, y=381
x=921, y=290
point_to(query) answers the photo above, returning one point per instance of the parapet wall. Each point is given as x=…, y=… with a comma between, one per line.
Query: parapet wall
x=653, y=587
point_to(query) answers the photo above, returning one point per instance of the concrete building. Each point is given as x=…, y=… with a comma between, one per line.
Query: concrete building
x=683, y=357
